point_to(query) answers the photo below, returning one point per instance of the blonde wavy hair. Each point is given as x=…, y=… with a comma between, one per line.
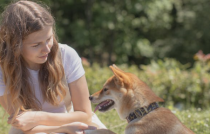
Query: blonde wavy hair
x=18, y=20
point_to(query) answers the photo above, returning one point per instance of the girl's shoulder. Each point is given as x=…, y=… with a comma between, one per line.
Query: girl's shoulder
x=67, y=52
x=71, y=62
x=64, y=46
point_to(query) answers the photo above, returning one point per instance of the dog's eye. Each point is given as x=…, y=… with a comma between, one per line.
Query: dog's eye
x=105, y=89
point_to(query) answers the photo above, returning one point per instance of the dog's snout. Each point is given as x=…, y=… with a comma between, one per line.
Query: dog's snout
x=91, y=98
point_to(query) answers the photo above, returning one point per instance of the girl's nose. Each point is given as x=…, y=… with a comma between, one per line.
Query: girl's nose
x=47, y=47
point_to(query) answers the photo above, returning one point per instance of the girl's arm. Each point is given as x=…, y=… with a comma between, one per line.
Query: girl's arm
x=71, y=128
x=44, y=129
x=82, y=107
x=9, y=110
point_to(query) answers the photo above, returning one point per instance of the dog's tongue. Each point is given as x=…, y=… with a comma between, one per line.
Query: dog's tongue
x=101, y=104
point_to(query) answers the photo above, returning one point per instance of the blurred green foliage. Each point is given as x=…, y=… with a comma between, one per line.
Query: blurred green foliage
x=132, y=32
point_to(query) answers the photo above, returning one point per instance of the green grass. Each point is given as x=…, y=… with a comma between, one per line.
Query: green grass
x=3, y=122
x=197, y=120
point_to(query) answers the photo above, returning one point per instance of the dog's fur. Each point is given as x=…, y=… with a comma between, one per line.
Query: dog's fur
x=129, y=93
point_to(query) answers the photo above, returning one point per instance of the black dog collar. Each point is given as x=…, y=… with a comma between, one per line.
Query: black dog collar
x=140, y=112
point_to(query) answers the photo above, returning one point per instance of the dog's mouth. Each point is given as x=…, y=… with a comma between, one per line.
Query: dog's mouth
x=104, y=105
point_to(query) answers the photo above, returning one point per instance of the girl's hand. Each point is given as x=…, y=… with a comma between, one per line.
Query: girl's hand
x=24, y=120
x=76, y=128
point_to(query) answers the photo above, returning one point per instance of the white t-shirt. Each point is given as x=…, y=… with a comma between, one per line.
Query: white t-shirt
x=73, y=70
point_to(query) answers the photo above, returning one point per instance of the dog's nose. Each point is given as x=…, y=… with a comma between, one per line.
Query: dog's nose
x=91, y=98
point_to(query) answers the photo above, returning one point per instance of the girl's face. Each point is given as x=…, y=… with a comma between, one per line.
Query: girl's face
x=36, y=47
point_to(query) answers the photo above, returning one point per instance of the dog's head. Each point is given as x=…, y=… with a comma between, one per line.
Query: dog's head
x=123, y=91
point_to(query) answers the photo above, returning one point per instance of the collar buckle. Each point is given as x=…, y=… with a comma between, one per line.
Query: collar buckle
x=145, y=108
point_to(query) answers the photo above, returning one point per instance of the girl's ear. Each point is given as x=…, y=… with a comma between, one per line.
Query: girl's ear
x=121, y=78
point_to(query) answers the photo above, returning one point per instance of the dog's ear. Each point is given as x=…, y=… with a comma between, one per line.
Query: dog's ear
x=120, y=77
x=117, y=68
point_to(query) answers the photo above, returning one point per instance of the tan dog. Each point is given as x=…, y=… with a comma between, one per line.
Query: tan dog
x=138, y=104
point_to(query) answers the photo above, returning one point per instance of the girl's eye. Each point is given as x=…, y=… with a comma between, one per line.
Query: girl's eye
x=36, y=45
x=49, y=40
x=105, y=89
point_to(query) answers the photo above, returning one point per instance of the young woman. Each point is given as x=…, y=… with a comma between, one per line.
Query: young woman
x=33, y=71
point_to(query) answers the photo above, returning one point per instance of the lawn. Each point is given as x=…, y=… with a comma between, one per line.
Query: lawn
x=197, y=120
